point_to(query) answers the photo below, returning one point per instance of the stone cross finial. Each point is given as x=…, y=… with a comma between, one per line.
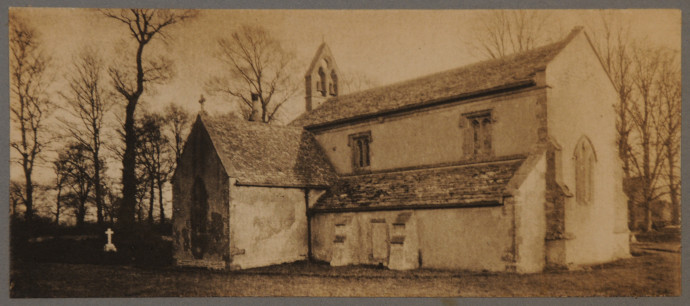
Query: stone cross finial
x=109, y=247
x=201, y=102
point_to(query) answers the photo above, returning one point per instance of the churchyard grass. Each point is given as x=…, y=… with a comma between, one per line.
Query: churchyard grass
x=648, y=273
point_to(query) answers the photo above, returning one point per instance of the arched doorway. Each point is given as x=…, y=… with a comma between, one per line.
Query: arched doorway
x=198, y=218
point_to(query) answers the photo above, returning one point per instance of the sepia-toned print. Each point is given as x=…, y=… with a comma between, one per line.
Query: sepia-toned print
x=448, y=153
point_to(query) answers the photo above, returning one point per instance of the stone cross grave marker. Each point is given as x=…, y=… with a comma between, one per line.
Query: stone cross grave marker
x=109, y=247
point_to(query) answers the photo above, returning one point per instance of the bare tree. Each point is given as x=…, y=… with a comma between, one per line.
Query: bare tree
x=669, y=94
x=259, y=73
x=611, y=40
x=29, y=105
x=502, y=32
x=76, y=157
x=141, y=174
x=112, y=199
x=62, y=176
x=43, y=205
x=156, y=158
x=16, y=195
x=87, y=102
x=355, y=81
x=144, y=25
x=177, y=121
x=647, y=145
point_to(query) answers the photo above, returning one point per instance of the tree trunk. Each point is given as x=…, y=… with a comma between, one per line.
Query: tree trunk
x=129, y=179
x=29, y=201
x=129, y=188
x=152, y=200
x=81, y=213
x=160, y=201
x=648, y=217
x=57, y=203
x=97, y=182
x=673, y=188
x=14, y=208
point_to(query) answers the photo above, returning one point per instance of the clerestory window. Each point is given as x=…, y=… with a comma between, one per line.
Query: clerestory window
x=361, y=153
x=478, y=134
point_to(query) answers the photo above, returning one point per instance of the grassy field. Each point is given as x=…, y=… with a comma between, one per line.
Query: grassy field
x=649, y=273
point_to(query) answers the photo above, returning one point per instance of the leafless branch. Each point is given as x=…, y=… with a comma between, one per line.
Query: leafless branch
x=257, y=65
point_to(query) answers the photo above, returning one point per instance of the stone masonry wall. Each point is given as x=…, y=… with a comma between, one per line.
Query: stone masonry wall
x=199, y=160
x=581, y=102
x=436, y=135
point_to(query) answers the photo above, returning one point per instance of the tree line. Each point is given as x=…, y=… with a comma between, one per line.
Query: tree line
x=95, y=86
x=259, y=79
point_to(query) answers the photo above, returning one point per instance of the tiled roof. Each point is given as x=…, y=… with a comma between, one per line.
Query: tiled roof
x=469, y=184
x=262, y=154
x=475, y=78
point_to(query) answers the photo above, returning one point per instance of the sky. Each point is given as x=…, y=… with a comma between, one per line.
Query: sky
x=385, y=45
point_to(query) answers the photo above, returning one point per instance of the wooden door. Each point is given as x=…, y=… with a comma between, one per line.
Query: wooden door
x=379, y=241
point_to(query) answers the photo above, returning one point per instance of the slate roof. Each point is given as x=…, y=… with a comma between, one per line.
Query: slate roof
x=475, y=78
x=459, y=185
x=262, y=154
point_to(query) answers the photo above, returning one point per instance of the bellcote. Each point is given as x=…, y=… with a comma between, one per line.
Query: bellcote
x=321, y=78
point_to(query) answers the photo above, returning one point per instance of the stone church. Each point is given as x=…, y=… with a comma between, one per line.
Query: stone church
x=503, y=165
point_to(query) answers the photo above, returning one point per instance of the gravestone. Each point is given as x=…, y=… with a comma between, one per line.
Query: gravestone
x=109, y=247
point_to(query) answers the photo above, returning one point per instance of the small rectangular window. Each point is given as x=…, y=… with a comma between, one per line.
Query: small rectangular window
x=361, y=152
x=478, y=134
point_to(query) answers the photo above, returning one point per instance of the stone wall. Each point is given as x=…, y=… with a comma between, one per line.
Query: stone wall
x=479, y=238
x=199, y=163
x=436, y=135
x=530, y=218
x=267, y=226
x=580, y=104
x=386, y=238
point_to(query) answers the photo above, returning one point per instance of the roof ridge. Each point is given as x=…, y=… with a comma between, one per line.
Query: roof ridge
x=446, y=83
x=239, y=121
x=479, y=75
x=508, y=57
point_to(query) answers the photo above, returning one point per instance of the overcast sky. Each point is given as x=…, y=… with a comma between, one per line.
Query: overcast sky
x=388, y=46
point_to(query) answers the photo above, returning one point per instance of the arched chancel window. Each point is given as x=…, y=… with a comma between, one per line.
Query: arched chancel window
x=585, y=160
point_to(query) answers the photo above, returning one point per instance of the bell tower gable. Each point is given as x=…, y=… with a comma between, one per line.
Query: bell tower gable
x=321, y=78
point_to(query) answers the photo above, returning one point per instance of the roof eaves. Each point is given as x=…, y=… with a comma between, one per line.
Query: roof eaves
x=271, y=185
x=485, y=203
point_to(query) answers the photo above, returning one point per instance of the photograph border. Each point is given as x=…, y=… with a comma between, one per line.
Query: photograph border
x=359, y=4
